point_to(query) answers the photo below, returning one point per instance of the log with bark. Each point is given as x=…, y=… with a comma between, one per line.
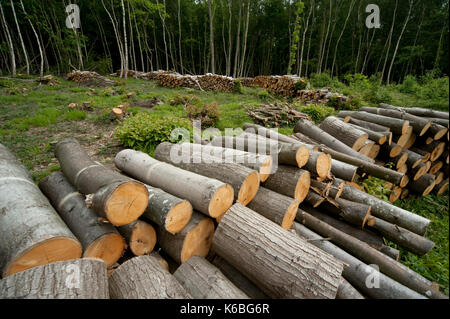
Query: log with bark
x=418, y=111
x=397, y=126
x=278, y=208
x=423, y=185
x=117, y=198
x=344, y=170
x=167, y=211
x=436, y=148
x=211, y=197
x=364, y=124
x=275, y=259
x=202, y=280
x=418, y=171
x=314, y=199
x=290, y=181
x=31, y=231
x=314, y=132
x=140, y=236
x=412, y=242
x=194, y=240
x=143, y=277
x=413, y=159
x=347, y=291
x=99, y=239
x=442, y=187
x=354, y=213
x=73, y=279
x=344, y=132
x=378, y=137
x=331, y=189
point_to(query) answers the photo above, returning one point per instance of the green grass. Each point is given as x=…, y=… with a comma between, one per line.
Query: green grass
x=32, y=120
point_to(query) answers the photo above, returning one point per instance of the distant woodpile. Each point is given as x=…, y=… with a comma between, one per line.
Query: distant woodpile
x=276, y=115
x=322, y=96
x=89, y=78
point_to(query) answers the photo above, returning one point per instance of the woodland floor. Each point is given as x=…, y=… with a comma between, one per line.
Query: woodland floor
x=33, y=117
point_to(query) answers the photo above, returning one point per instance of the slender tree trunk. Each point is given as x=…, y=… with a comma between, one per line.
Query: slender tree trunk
x=125, y=39
x=21, y=39
x=300, y=65
x=230, y=38
x=41, y=70
x=238, y=42
x=245, y=40
x=179, y=36
x=9, y=41
x=211, y=38
x=119, y=45
x=389, y=42
x=164, y=34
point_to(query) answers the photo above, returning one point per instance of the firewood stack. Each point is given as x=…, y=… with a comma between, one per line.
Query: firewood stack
x=208, y=82
x=321, y=96
x=278, y=85
x=89, y=78
x=247, y=82
x=276, y=115
x=231, y=218
x=48, y=80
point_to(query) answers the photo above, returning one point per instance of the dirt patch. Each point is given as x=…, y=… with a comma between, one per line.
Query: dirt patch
x=149, y=104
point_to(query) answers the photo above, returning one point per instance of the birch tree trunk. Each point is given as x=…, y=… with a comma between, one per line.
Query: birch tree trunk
x=20, y=38
x=9, y=41
x=41, y=72
x=238, y=42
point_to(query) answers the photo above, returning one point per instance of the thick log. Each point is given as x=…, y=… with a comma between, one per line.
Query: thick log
x=395, y=194
x=344, y=170
x=314, y=132
x=290, y=181
x=364, y=124
x=367, y=148
x=354, y=213
x=418, y=111
x=234, y=152
x=410, y=142
x=439, y=177
x=275, y=259
x=412, y=242
x=140, y=236
x=390, y=151
x=144, y=278
x=278, y=208
x=370, y=255
x=366, y=167
x=238, y=279
x=74, y=279
x=31, y=231
x=357, y=271
x=419, y=124
x=98, y=239
x=378, y=137
x=397, y=126
x=426, y=155
x=245, y=181
x=117, y=198
x=167, y=211
x=387, y=211
x=194, y=240
x=160, y=259
x=207, y=195
x=204, y=281
x=442, y=187
x=320, y=164
x=436, y=148
x=347, y=291
x=423, y=186
x=413, y=159
x=439, y=121
x=346, y=133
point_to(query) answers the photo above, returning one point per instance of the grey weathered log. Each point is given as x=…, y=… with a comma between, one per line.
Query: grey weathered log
x=344, y=132
x=439, y=121
x=211, y=196
x=275, y=259
x=167, y=211
x=345, y=171
x=347, y=291
x=73, y=279
x=314, y=132
x=423, y=186
x=423, y=112
x=245, y=181
x=370, y=255
x=357, y=271
x=261, y=130
x=387, y=211
x=364, y=124
x=99, y=239
x=304, y=139
x=379, y=137
x=290, y=181
x=31, y=231
x=205, y=281
x=278, y=208
x=314, y=199
x=143, y=277
x=117, y=198
x=412, y=242
x=397, y=126
x=354, y=213
x=238, y=279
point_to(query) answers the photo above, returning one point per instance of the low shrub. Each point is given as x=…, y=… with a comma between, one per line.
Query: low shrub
x=208, y=114
x=317, y=112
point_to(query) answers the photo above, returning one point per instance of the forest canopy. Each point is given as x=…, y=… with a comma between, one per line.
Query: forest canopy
x=238, y=38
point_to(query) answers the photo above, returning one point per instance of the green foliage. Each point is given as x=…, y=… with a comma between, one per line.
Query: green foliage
x=144, y=131
x=409, y=85
x=182, y=99
x=301, y=84
x=317, y=112
x=323, y=80
x=237, y=86
x=75, y=115
x=295, y=36
x=209, y=114
x=44, y=117
x=377, y=94
x=358, y=80
x=264, y=95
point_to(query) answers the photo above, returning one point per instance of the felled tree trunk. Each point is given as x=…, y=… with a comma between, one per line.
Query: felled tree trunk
x=144, y=278
x=314, y=199
x=290, y=181
x=364, y=124
x=245, y=181
x=31, y=231
x=117, y=198
x=99, y=239
x=344, y=170
x=424, y=185
x=251, y=243
x=397, y=126
x=379, y=137
x=354, y=213
x=278, y=208
x=418, y=111
x=204, y=281
x=347, y=291
x=211, y=197
x=346, y=133
x=140, y=236
x=442, y=187
x=194, y=240
x=167, y=211
x=74, y=279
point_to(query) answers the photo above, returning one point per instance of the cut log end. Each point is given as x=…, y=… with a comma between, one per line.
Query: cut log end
x=395, y=194
x=302, y=188
x=395, y=151
x=249, y=188
x=437, y=152
x=126, y=203
x=53, y=250
x=405, y=127
x=266, y=169
x=443, y=188
x=402, y=160
x=178, y=217
x=405, y=193
x=404, y=181
x=198, y=241
x=302, y=156
x=422, y=171
x=360, y=142
x=429, y=189
x=323, y=165
x=143, y=239
x=436, y=167
x=425, y=128
x=440, y=134
x=382, y=140
x=374, y=151
x=289, y=218
x=221, y=201
x=108, y=247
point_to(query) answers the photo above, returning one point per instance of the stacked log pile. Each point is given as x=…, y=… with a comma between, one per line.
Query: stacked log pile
x=278, y=85
x=208, y=82
x=89, y=78
x=322, y=96
x=275, y=115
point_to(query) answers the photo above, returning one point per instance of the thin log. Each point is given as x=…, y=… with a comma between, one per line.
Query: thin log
x=344, y=170
x=397, y=126
x=424, y=185
x=314, y=199
x=418, y=111
x=364, y=124
x=140, y=236
x=379, y=137
x=354, y=213
x=442, y=187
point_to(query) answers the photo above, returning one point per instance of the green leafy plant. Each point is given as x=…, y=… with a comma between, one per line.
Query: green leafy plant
x=209, y=114
x=317, y=112
x=75, y=115
x=237, y=86
x=301, y=84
